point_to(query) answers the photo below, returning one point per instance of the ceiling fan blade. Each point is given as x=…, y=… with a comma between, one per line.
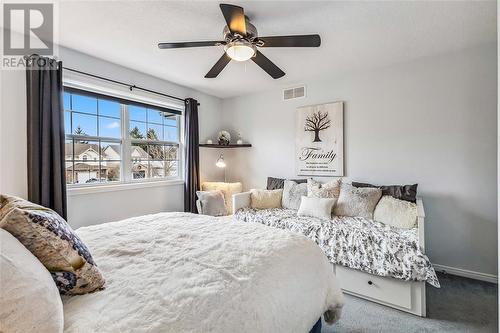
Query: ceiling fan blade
x=235, y=18
x=291, y=41
x=189, y=44
x=218, y=67
x=268, y=65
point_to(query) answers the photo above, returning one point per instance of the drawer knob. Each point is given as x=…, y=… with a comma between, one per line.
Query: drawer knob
x=370, y=283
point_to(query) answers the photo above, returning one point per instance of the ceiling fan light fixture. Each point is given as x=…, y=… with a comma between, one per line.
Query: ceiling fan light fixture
x=240, y=50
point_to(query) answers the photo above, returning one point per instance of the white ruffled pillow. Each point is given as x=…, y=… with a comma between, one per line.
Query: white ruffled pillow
x=395, y=212
x=29, y=298
x=316, y=207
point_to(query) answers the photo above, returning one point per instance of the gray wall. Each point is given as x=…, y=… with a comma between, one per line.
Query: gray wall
x=93, y=208
x=431, y=121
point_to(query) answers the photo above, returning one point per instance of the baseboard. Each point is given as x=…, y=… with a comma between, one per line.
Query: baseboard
x=466, y=273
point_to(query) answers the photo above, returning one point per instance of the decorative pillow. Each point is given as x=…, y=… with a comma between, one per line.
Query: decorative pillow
x=402, y=192
x=212, y=203
x=331, y=189
x=50, y=238
x=279, y=183
x=355, y=201
x=316, y=207
x=395, y=212
x=228, y=189
x=292, y=194
x=29, y=299
x=264, y=199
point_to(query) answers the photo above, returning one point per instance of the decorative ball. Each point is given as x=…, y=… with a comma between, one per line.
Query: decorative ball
x=224, y=138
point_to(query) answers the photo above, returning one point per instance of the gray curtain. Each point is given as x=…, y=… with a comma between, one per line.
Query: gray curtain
x=192, y=154
x=46, y=169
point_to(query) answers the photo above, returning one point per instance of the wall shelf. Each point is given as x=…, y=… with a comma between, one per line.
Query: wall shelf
x=243, y=145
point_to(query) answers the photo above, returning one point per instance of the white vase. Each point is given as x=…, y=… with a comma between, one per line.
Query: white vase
x=209, y=142
x=240, y=142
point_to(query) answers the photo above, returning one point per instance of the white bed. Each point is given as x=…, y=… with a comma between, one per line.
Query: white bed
x=180, y=272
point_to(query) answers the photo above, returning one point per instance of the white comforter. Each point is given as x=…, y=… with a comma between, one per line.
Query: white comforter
x=179, y=272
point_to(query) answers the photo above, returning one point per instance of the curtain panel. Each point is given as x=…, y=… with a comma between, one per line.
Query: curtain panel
x=192, y=155
x=45, y=129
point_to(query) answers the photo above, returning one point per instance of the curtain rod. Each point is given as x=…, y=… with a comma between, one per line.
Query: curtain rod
x=130, y=86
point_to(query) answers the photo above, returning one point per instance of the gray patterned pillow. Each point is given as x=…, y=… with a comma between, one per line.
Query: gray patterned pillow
x=331, y=189
x=292, y=194
x=355, y=201
x=50, y=238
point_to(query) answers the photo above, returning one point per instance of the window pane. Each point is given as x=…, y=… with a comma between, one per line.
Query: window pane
x=136, y=113
x=109, y=127
x=110, y=171
x=137, y=130
x=157, y=169
x=67, y=122
x=68, y=150
x=171, y=168
x=86, y=172
x=109, y=108
x=110, y=151
x=155, y=116
x=170, y=134
x=140, y=169
x=154, y=132
x=171, y=152
x=67, y=97
x=69, y=172
x=156, y=152
x=86, y=150
x=139, y=152
x=84, y=104
x=170, y=120
x=84, y=124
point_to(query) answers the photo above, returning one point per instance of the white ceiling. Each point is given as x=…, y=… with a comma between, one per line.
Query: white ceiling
x=355, y=36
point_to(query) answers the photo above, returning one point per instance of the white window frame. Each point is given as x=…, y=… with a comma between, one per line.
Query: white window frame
x=94, y=85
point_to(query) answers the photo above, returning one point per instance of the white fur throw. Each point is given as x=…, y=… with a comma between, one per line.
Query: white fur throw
x=357, y=201
x=264, y=199
x=395, y=212
x=316, y=207
x=180, y=272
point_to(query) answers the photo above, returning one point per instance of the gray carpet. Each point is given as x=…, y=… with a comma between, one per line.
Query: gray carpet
x=461, y=305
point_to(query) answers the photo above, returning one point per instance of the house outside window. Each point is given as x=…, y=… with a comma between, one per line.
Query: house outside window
x=112, y=140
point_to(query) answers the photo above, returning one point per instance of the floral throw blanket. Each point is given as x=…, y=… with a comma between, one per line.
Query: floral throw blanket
x=355, y=242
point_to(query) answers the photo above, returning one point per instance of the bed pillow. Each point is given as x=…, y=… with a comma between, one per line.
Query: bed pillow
x=292, y=194
x=50, y=238
x=316, y=207
x=29, y=299
x=228, y=189
x=355, y=201
x=402, y=192
x=279, y=183
x=265, y=199
x=212, y=203
x=395, y=212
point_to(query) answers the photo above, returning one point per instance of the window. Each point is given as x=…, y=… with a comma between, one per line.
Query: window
x=115, y=140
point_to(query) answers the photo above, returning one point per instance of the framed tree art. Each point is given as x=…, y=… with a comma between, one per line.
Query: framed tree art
x=320, y=140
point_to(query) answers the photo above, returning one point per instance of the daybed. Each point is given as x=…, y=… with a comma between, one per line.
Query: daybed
x=377, y=262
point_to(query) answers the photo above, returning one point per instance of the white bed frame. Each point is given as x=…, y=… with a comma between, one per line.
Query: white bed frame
x=408, y=296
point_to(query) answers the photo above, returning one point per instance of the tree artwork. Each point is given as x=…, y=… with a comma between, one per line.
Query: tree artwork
x=317, y=122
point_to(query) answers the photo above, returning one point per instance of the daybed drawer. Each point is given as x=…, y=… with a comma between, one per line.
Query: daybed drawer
x=384, y=289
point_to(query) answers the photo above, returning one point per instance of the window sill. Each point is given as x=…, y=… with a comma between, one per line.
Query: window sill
x=90, y=189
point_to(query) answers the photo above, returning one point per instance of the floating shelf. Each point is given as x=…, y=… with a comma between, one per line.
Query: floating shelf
x=243, y=145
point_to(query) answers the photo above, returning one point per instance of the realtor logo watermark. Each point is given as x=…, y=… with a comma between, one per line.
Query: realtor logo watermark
x=28, y=29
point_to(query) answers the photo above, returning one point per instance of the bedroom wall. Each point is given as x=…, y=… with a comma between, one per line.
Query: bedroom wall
x=431, y=122
x=91, y=208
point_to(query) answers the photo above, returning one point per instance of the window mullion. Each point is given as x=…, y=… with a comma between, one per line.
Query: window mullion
x=126, y=146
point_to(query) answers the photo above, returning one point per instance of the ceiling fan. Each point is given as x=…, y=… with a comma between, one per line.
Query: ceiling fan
x=241, y=41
